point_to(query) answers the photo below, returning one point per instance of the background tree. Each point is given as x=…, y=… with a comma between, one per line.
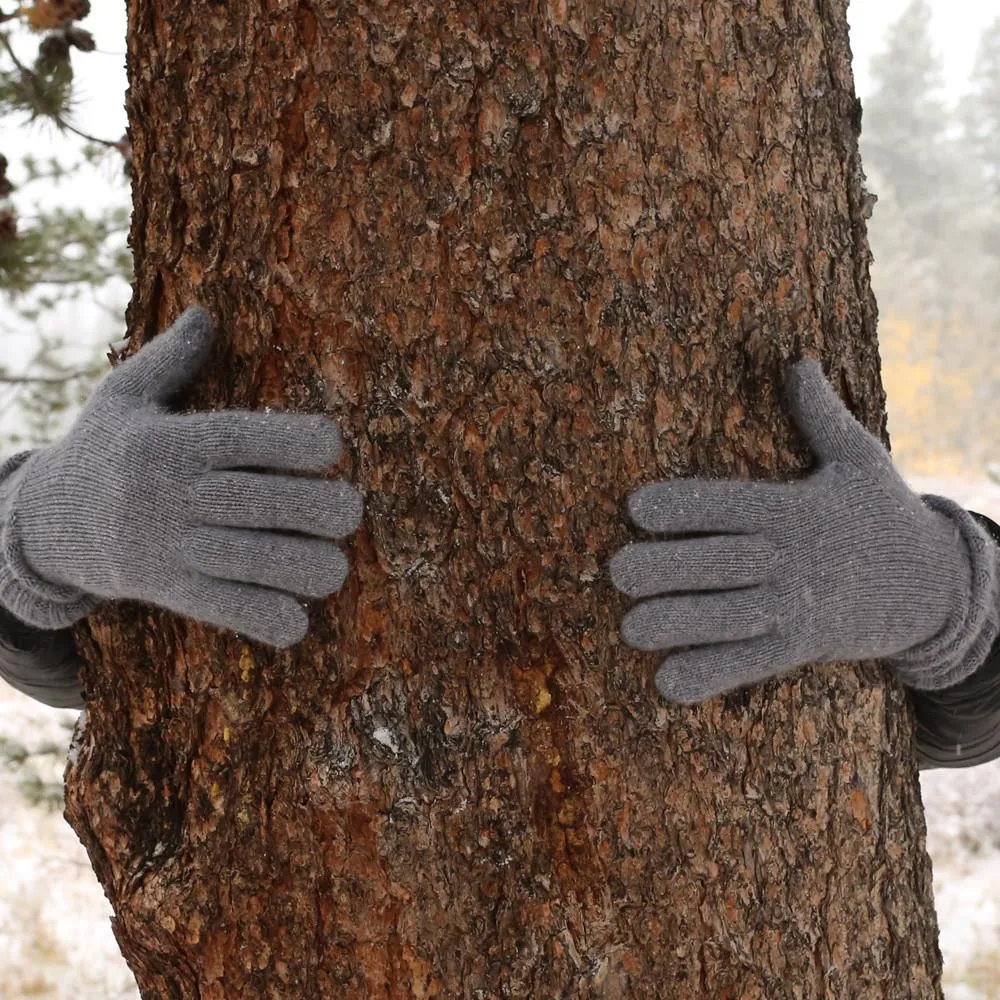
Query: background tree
x=905, y=138
x=981, y=111
x=927, y=232
x=57, y=252
x=980, y=116
x=529, y=255
x=55, y=249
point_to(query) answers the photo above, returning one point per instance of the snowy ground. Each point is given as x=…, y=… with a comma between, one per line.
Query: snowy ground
x=963, y=835
x=55, y=931
x=55, y=935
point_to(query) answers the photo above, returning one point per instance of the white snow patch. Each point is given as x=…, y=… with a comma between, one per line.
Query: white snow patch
x=55, y=923
x=386, y=738
x=76, y=743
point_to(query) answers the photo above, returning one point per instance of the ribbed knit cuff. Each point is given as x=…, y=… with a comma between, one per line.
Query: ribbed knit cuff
x=963, y=645
x=23, y=592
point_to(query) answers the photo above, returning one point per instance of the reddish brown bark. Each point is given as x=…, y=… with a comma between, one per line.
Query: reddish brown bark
x=529, y=255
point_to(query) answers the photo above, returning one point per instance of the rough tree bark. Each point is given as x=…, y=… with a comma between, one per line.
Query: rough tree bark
x=529, y=255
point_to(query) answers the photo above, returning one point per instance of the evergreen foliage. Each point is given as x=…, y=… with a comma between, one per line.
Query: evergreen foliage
x=38, y=768
x=53, y=251
x=980, y=123
x=905, y=119
x=936, y=171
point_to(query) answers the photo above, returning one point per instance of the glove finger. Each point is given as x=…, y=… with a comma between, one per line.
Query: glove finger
x=232, y=439
x=325, y=508
x=695, y=675
x=824, y=421
x=308, y=566
x=693, y=619
x=684, y=506
x=167, y=363
x=267, y=616
x=714, y=562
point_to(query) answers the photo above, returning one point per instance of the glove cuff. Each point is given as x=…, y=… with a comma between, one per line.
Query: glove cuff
x=962, y=646
x=23, y=592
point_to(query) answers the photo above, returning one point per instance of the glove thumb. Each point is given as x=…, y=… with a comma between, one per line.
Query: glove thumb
x=824, y=421
x=167, y=363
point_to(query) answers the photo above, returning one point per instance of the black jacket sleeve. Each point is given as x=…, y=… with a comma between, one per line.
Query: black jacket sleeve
x=43, y=665
x=960, y=726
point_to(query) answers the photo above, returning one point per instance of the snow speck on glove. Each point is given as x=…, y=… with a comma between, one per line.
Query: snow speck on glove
x=188, y=511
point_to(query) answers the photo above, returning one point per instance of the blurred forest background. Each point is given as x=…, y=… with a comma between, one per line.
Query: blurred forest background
x=932, y=157
x=935, y=234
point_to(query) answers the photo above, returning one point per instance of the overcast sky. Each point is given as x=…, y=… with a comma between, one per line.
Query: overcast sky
x=957, y=25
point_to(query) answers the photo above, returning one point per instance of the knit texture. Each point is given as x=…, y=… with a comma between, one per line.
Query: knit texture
x=186, y=511
x=966, y=640
x=23, y=592
x=847, y=564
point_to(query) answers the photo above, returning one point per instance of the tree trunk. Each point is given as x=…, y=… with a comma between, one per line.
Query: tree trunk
x=529, y=255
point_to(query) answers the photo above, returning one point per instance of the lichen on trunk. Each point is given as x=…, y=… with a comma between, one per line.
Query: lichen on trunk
x=529, y=255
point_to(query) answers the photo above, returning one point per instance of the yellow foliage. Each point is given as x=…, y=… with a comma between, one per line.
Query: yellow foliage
x=936, y=377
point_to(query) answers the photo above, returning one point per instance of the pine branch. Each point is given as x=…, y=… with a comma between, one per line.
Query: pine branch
x=30, y=77
x=63, y=123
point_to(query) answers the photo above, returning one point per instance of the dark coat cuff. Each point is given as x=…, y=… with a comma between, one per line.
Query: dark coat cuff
x=960, y=726
x=42, y=664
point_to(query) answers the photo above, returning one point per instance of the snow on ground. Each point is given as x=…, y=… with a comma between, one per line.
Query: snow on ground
x=55, y=931
x=963, y=834
x=963, y=838
x=55, y=934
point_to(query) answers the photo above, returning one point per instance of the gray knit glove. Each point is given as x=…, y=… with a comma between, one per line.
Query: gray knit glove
x=182, y=510
x=848, y=564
